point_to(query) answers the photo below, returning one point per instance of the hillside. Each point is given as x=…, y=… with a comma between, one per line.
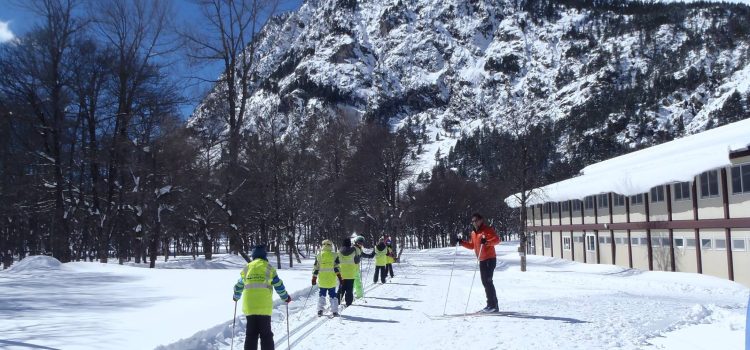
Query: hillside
x=611, y=77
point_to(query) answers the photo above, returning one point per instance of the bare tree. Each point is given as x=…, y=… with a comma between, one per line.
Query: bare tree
x=229, y=35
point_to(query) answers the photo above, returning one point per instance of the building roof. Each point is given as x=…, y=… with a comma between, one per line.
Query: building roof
x=637, y=172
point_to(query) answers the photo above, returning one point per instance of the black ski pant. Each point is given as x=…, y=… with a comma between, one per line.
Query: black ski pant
x=259, y=327
x=379, y=270
x=346, y=290
x=389, y=268
x=486, y=270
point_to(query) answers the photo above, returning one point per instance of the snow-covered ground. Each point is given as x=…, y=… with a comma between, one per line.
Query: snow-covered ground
x=555, y=305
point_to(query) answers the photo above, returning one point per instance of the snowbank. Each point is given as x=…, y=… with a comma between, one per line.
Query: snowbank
x=637, y=172
x=35, y=263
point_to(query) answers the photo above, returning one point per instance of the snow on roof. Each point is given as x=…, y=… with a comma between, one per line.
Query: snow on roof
x=637, y=172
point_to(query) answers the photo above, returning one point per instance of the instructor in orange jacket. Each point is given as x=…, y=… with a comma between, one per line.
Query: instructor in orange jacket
x=483, y=240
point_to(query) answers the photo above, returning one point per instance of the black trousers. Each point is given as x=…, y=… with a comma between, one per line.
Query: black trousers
x=486, y=270
x=389, y=268
x=346, y=290
x=379, y=270
x=259, y=327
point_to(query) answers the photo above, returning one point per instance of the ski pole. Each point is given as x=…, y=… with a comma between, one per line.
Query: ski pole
x=305, y=303
x=481, y=247
x=447, y=293
x=234, y=321
x=288, y=344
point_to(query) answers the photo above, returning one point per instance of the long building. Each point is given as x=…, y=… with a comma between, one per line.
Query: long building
x=680, y=206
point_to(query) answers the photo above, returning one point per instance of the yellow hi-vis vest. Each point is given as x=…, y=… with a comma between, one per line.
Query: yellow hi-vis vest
x=257, y=277
x=348, y=267
x=381, y=259
x=326, y=273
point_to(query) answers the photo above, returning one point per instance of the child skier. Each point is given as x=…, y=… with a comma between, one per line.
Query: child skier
x=390, y=257
x=381, y=260
x=358, y=245
x=349, y=259
x=327, y=269
x=254, y=287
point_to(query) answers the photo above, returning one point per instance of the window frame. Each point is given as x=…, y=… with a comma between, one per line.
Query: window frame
x=657, y=194
x=680, y=245
x=566, y=243
x=565, y=207
x=744, y=188
x=710, y=245
x=636, y=199
x=744, y=244
x=590, y=241
x=602, y=201
x=678, y=189
x=588, y=203
x=687, y=243
x=716, y=245
x=707, y=182
x=547, y=241
x=618, y=200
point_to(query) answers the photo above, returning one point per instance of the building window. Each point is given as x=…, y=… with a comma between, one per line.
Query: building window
x=741, y=179
x=706, y=243
x=545, y=208
x=690, y=242
x=576, y=205
x=566, y=206
x=679, y=243
x=709, y=184
x=657, y=194
x=566, y=243
x=589, y=202
x=681, y=191
x=644, y=241
x=720, y=243
x=603, y=201
x=738, y=244
x=619, y=200
x=555, y=207
x=591, y=243
x=655, y=241
x=547, y=240
x=633, y=240
x=637, y=199
x=620, y=240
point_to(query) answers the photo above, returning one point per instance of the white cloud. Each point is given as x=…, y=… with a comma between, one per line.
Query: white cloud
x=5, y=33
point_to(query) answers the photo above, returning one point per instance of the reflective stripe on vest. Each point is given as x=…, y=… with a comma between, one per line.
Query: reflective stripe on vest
x=258, y=286
x=327, y=270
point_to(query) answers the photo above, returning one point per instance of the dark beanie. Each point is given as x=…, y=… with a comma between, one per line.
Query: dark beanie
x=259, y=252
x=346, y=242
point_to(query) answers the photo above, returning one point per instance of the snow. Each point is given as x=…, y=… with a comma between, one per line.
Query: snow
x=185, y=304
x=637, y=172
x=36, y=263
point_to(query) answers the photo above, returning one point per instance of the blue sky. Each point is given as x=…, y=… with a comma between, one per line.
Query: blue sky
x=15, y=21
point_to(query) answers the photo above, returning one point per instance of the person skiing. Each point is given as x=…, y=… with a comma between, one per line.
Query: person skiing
x=327, y=270
x=349, y=259
x=483, y=240
x=390, y=257
x=254, y=287
x=381, y=260
x=359, y=246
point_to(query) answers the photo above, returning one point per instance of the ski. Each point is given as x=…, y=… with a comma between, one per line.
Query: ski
x=472, y=314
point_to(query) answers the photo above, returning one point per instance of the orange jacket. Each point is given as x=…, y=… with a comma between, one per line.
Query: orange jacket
x=488, y=251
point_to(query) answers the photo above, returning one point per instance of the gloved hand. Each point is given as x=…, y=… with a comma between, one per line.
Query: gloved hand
x=458, y=240
x=341, y=280
x=315, y=280
x=288, y=299
x=236, y=297
x=484, y=239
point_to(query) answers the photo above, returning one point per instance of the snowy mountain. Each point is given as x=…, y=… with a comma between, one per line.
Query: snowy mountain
x=611, y=75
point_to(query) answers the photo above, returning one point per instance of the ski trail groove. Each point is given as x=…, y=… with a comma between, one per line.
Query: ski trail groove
x=320, y=321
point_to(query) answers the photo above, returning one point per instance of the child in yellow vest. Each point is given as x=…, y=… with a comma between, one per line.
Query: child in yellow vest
x=326, y=273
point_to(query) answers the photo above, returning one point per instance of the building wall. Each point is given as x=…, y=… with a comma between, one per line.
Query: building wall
x=621, y=254
x=714, y=257
x=741, y=257
x=578, y=246
x=686, y=259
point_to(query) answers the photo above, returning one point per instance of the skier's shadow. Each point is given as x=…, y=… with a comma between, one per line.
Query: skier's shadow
x=394, y=308
x=396, y=299
x=365, y=319
x=537, y=317
x=24, y=345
